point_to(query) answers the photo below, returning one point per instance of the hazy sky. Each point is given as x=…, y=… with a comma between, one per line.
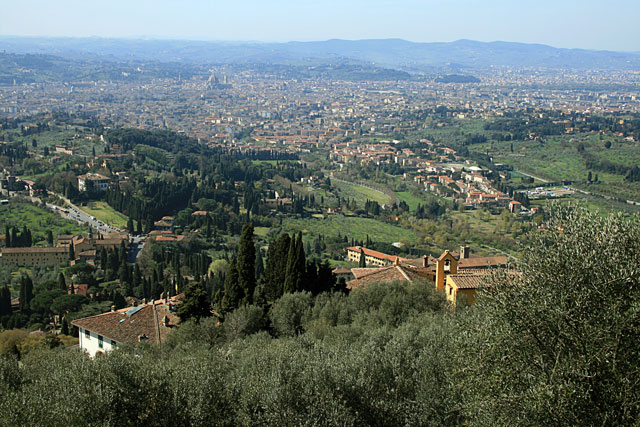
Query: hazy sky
x=591, y=24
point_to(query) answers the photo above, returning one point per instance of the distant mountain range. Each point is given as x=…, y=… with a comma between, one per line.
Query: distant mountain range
x=390, y=53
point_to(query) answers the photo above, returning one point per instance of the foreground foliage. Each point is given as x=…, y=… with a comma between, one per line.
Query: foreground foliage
x=554, y=344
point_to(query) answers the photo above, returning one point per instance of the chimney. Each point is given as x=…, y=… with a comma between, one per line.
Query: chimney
x=464, y=252
x=113, y=308
x=165, y=321
x=425, y=261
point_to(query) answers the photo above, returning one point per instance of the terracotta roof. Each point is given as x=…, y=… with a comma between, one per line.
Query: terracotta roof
x=162, y=224
x=419, y=262
x=128, y=324
x=341, y=270
x=387, y=274
x=361, y=272
x=159, y=232
x=33, y=250
x=108, y=241
x=376, y=254
x=467, y=281
x=479, y=262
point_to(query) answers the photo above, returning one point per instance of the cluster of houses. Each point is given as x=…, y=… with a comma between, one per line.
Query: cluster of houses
x=473, y=189
x=85, y=249
x=455, y=273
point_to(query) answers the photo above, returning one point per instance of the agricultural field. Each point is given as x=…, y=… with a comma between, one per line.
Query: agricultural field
x=359, y=193
x=38, y=220
x=352, y=227
x=558, y=159
x=485, y=232
x=70, y=136
x=410, y=199
x=106, y=214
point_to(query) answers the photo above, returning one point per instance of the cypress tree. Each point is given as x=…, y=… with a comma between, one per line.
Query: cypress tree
x=103, y=258
x=232, y=291
x=5, y=301
x=72, y=254
x=289, y=278
x=155, y=290
x=363, y=261
x=276, y=269
x=259, y=264
x=296, y=265
x=247, y=263
x=301, y=263
x=21, y=296
x=50, y=238
x=326, y=279
x=7, y=237
x=62, y=283
x=26, y=294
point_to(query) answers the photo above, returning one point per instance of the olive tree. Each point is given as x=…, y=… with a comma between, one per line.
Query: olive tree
x=556, y=341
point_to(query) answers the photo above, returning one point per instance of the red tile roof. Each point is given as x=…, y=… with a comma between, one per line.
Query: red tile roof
x=402, y=272
x=468, y=281
x=376, y=254
x=480, y=262
x=129, y=324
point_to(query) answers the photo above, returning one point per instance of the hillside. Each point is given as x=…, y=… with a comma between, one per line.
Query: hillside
x=394, y=53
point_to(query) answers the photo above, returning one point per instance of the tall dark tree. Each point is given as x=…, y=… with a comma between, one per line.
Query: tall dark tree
x=103, y=258
x=195, y=304
x=259, y=264
x=72, y=253
x=296, y=266
x=247, y=263
x=62, y=283
x=233, y=293
x=26, y=293
x=50, y=238
x=276, y=268
x=5, y=301
x=363, y=259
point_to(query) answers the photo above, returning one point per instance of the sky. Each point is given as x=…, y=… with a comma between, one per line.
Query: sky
x=588, y=24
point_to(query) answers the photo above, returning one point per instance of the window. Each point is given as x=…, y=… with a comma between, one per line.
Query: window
x=100, y=341
x=87, y=334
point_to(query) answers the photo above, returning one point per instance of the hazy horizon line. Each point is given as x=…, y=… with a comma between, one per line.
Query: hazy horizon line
x=240, y=41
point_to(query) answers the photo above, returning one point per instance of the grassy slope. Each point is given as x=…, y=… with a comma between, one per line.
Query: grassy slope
x=37, y=219
x=106, y=213
x=409, y=199
x=358, y=228
x=359, y=193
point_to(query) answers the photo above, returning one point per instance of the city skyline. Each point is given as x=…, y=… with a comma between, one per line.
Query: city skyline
x=585, y=25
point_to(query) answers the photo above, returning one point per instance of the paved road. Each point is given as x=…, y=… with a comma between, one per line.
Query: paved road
x=74, y=213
